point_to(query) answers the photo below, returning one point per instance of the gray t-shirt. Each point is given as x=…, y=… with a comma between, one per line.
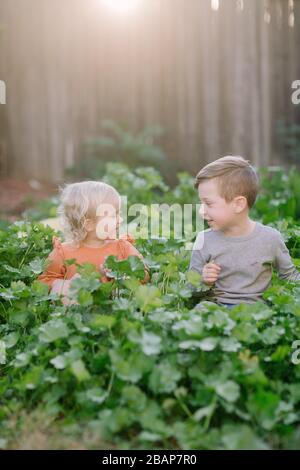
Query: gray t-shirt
x=246, y=262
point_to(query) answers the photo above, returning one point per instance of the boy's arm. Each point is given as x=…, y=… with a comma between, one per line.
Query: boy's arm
x=197, y=261
x=197, y=264
x=283, y=262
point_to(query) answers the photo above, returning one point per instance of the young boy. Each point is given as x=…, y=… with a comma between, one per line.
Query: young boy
x=235, y=255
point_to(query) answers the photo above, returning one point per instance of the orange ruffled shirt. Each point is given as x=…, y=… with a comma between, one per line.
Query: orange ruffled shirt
x=57, y=269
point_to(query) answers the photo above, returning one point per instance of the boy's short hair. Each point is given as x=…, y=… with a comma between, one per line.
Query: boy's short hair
x=236, y=177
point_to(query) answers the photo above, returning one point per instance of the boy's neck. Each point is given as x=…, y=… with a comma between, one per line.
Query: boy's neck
x=240, y=228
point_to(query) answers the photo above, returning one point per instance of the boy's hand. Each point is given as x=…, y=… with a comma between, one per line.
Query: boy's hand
x=210, y=273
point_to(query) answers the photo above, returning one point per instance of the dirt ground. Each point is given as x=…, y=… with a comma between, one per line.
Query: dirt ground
x=17, y=195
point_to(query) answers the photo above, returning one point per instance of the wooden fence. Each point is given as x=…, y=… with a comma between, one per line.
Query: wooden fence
x=216, y=74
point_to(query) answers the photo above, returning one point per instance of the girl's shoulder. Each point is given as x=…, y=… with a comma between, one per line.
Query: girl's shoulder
x=56, y=243
x=124, y=240
x=63, y=248
x=121, y=246
x=127, y=238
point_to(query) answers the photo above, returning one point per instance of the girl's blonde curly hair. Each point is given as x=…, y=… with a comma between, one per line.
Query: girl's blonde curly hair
x=81, y=201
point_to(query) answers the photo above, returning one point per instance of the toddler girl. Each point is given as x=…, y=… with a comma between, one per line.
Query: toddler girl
x=90, y=216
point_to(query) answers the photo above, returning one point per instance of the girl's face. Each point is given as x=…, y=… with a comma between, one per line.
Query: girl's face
x=108, y=220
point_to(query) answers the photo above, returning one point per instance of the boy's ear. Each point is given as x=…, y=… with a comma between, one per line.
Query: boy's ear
x=240, y=203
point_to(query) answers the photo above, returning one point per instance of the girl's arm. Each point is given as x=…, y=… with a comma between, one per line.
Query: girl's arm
x=62, y=287
x=127, y=249
x=56, y=270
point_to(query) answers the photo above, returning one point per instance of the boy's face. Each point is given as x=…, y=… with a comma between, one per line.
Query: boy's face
x=215, y=210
